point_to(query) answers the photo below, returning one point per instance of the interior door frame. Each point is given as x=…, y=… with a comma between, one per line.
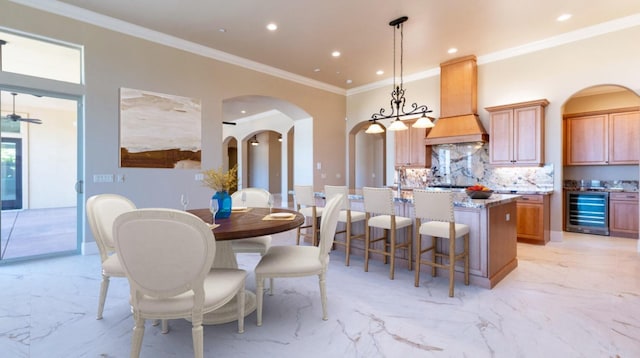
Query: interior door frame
x=17, y=203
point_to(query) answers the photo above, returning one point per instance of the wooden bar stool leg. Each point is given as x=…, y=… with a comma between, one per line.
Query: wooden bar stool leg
x=418, y=251
x=466, y=259
x=348, y=242
x=367, y=238
x=392, y=249
x=434, y=245
x=452, y=263
x=409, y=235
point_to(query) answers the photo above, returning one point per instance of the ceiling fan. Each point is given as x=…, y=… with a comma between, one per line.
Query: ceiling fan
x=15, y=117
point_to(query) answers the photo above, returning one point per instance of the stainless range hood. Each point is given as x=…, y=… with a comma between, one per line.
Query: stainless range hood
x=459, y=121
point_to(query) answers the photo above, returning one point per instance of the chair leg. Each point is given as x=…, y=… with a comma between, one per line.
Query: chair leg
x=165, y=326
x=367, y=233
x=259, y=296
x=434, y=245
x=452, y=263
x=323, y=295
x=409, y=236
x=138, y=333
x=314, y=231
x=197, y=336
x=104, y=286
x=298, y=236
x=392, y=249
x=466, y=259
x=271, y=286
x=417, y=260
x=241, y=298
x=347, y=239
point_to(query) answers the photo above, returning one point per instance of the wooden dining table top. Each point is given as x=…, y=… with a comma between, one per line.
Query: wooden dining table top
x=250, y=223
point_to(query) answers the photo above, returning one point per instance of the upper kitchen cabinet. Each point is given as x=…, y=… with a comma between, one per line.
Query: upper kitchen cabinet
x=517, y=134
x=603, y=138
x=411, y=150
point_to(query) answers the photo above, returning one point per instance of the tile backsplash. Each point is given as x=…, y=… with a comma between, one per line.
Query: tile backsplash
x=467, y=164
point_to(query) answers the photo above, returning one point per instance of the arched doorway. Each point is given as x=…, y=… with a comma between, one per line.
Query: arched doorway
x=367, y=155
x=600, y=140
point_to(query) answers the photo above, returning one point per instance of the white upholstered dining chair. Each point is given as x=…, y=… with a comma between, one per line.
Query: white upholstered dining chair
x=167, y=256
x=299, y=261
x=102, y=210
x=253, y=198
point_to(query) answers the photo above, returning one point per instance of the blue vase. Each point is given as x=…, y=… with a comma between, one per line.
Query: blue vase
x=224, y=204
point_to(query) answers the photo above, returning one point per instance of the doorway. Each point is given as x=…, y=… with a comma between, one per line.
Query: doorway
x=40, y=165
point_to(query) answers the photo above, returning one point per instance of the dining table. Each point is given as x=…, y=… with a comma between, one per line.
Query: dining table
x=243, y=223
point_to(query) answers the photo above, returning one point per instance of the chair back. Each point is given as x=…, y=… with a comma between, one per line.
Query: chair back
x=378, y=200
x=329, y=223
x=102, y=211
x=332, y=190
x=164, y=252
x=254, y=197
x=304, y=195
x=433, y=205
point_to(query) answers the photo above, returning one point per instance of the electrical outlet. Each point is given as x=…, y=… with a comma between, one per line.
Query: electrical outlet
x=103, y=178
x=120, y=178
x=199, y=177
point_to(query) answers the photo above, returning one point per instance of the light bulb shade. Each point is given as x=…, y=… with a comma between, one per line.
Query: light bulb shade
x=423, y=122
x=398, y=125
x=374, y=128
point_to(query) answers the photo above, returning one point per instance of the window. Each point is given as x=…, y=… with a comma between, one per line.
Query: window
x=40, y=58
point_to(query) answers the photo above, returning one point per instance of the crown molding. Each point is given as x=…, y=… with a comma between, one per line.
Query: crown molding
x=93, y=18
x=573, y=36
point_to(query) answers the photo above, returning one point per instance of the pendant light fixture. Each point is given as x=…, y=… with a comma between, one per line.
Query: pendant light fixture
x=254, y=141
x=397, y=95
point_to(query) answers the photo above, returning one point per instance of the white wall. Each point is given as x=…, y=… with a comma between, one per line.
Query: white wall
x=303, y=156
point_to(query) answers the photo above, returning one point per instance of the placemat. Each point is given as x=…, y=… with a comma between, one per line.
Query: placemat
x=270, y=217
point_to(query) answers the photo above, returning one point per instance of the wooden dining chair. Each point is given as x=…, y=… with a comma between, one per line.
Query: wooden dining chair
x=306, y=205
x=346, y=216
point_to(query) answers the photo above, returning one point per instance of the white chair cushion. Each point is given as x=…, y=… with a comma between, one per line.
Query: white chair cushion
x=384, y=221
x=218, y=284
x=355, y=216
x=308, y=211
x=441, y=229
x=253, y=244
x=290, y=261
x=112, y=267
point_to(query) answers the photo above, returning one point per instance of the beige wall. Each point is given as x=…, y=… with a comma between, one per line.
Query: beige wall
x=114, y=60
x=555, y=74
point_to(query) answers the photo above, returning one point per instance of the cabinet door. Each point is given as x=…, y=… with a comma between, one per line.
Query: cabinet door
x=501, y=137
x=587, y=140
x=624, y=146
x=623, y=214
x=530, y=218
x=528, y=136
x=417, y=152
x=403, y=146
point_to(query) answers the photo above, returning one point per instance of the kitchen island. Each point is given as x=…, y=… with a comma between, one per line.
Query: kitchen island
x=492, y=237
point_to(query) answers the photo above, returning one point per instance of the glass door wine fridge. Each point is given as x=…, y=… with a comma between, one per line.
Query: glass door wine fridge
x=587, y=212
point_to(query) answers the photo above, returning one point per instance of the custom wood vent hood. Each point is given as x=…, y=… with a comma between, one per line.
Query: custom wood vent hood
x=459, y=121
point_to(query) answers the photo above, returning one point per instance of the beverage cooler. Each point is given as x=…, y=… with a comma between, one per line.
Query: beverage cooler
x=587, y=212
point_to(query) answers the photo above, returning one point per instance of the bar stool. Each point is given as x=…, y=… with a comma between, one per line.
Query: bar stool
x=346, y=216
x=380, y=201
x=306, y=205
x=437, y=208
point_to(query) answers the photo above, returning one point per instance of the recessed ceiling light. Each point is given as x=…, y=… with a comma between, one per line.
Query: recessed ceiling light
x=335, y=54
x=272, y=27
x=222, y=29
x=349, y=82
x=452, y=50
x=316, y=70
x=243, y=111
x=563, y=17
x=379, y=72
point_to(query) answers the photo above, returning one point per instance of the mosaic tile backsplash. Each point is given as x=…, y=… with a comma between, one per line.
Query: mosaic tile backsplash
x=467, y=164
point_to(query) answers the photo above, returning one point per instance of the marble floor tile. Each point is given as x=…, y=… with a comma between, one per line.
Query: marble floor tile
x=576, y=298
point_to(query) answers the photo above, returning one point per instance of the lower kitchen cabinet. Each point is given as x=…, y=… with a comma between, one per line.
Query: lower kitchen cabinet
x=533, y=219
x=623, y=215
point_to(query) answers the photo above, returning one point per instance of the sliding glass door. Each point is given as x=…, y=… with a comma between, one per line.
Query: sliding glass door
x=11, y=173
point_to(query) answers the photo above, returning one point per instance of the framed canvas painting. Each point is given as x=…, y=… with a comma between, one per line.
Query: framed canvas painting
x=159, y=130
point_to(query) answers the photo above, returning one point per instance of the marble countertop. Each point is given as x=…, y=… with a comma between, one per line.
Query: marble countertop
x=460, y=198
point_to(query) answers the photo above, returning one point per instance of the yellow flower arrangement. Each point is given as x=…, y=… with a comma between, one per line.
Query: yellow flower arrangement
x=219, y=180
